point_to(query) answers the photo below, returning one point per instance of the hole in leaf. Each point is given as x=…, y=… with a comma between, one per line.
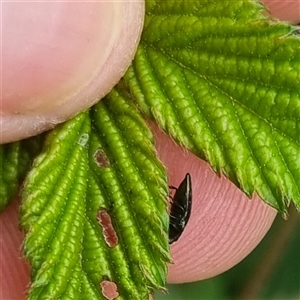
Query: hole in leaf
x=101, y=159
x=108, y=230
x=109, y=289
x=83, y=139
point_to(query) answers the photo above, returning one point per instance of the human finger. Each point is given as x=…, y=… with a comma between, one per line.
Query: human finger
x=61, y=57
x=224, y=226
x=285, y=10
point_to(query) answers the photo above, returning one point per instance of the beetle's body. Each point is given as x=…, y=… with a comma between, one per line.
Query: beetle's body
x=181, y=209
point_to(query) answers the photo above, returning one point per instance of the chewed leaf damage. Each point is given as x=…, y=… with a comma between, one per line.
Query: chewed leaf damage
x=101, y=159
x=109, y=289
x=108, y=230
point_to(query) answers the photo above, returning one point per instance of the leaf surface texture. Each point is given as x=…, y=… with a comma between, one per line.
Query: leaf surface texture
x=86, y=172
x=224, y=82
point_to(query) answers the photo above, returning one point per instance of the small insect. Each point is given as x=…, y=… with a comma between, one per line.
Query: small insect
x=180, y=209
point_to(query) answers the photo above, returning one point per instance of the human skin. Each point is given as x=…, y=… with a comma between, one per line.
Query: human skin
x=53, y=53
x=224, y=226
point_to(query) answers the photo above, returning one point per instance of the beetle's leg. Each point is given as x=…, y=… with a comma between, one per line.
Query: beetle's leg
x=172, y=187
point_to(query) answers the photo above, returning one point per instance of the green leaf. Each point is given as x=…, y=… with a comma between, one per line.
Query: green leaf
x=95, y=208
x=135, y=184
x=15, y=160
x=53, y=212
x=223, y=81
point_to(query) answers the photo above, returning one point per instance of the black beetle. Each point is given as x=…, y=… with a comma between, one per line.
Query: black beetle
x=181, y=208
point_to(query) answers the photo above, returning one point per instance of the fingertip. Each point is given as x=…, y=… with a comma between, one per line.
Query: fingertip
x=59, y=58
x=14, y=270
x=224, y=226
x=284, y=10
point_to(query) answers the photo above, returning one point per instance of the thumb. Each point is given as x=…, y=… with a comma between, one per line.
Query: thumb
x=59, y=58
